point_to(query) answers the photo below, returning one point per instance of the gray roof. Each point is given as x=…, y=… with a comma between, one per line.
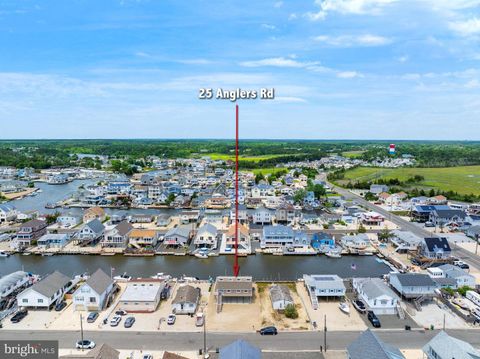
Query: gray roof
x=207, y=228
x=99, y=281
x=243, y=283
x=375, y=287
x=51, y=284
x=449, y=347
x=278, y=230
x=6, y=207
x=187, y=294
x=414, y=279
x=103, y=351
x=240, y=349
x=452, y=271
x=123, y=228
x=10, y=279
x=368, y=345
x=182, y=231
x=280, y=292
x=96, y=226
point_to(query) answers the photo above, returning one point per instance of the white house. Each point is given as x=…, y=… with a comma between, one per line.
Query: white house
x=280, y=297
x=178, y=236
x=324, y=285
x=53, y=240
x=93, y=294
x=262, y=191
x=13, y=281
x=206, y=237
x=7, y=213
x=378, y=297
x=262, y=216
x=412, y=285
x=68, y=220
x=45, y=293
x=355, y=242
x=186, y=300
x=91, y=232
x=461, y=277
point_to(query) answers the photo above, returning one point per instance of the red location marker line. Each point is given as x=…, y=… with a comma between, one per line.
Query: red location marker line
x=236, y=267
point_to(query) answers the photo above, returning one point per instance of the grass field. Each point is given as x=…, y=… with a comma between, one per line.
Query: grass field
x=231, y=157
x=352, y=154
x=464, y=179
x=268, y=170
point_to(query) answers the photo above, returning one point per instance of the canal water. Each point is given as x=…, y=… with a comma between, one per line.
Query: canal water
x=261, y=267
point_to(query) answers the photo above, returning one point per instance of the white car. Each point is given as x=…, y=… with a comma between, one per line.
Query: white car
x=85, y=344
x=171, y=319
x=115, y=321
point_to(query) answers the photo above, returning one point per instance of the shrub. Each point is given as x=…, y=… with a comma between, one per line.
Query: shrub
x=291, y=311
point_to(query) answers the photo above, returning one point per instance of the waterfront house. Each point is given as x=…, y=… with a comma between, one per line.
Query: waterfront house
x=233, y=290
x=142, y=238
x=140, y=218
x=262, y=216
x=378, y=297
x=285, y=214
x=117, y=237
x=213, y=216
x=262, y=191
x=141, y=296
x=45, y=293
x=412, y=285
x=278, y=236
x=421, y=213
x=244, y=242
x=280, y=297
x=368, y=345
x=355, y=242
x=324, y=285
x=178, y=236
x=443, y=346
x=7, y=213
x=30, y=232
x=460, y=277
x=93, y=295
x=68, y=220
x=435, y=248
x=206, y=237
x=242, y=214
x=186, y=300
x=94, y=213
x=322, y=241
x=372, y=218
x=240, y=349
x=53, y=240
x=405, y=241
x=163, y=220
x=91, y=232
x=187, y=217
x=12, y=282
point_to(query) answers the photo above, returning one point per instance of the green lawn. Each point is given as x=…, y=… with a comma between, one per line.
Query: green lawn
x=352, y=154
x=463, y=179
x=268, y=170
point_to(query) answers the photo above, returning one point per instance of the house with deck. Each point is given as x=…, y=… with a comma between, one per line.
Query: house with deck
x=118, y=236
x=206, y=237
x=142, y=238
x=91, y=232
x=412, y=285
x=94, y=213
x=93, y=295
x=323, y=286
x=30, y=232
x=178, y=236
x=377, y=295
x=244, y=241
x=435, y=248
x=233, y=290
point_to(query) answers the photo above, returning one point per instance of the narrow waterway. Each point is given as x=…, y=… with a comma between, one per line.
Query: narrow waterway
x=259, y=266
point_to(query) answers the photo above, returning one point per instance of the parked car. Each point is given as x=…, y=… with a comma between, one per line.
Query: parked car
x=59, y=307
x=92, y=317
x=18, y=317
x=359, y=305
x=429, y=224
x=171, y=319
x=461, y=264
x=268, y=331
x=373, y=319
x=129, y=322
x=115, y=321
x=121, y=312
x=147, y=356
x=199, y=320
x=85, y=344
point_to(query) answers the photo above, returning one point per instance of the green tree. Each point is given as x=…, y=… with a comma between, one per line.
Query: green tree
x=385, y=235
x=291, y=311
x=299, y=196
x=170, y=199
x=361, y=229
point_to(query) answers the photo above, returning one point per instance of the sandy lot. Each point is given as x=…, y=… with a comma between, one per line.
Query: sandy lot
x=279, y=320
x=336, y=319
x=432, y=314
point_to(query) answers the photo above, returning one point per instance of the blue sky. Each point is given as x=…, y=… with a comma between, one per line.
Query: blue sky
x=342, y=69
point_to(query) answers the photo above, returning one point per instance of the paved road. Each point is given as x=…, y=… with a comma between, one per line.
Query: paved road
x=293, y=341
x=466, y=256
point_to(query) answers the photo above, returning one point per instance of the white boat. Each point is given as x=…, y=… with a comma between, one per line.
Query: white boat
x=4, y=254
x=344, y=307
x=201, y=255
x=333, y=253
x=122, y=278
x=47, y=254
x=161, y=276
x=26, y=254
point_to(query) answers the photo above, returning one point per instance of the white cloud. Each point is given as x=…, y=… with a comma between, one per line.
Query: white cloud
x=348, y=74
x=278, y=62
x=466, y=28
x=195, y=62
x=403, y=58
x=352, y=41
x=269, y=26
x=357, y=7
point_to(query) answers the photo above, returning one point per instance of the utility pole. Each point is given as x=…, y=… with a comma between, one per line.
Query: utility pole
x=477, y=237
x=205, y=354
x=236, y=268
x=81, y=330
x=325, y=333
x=444, y=321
